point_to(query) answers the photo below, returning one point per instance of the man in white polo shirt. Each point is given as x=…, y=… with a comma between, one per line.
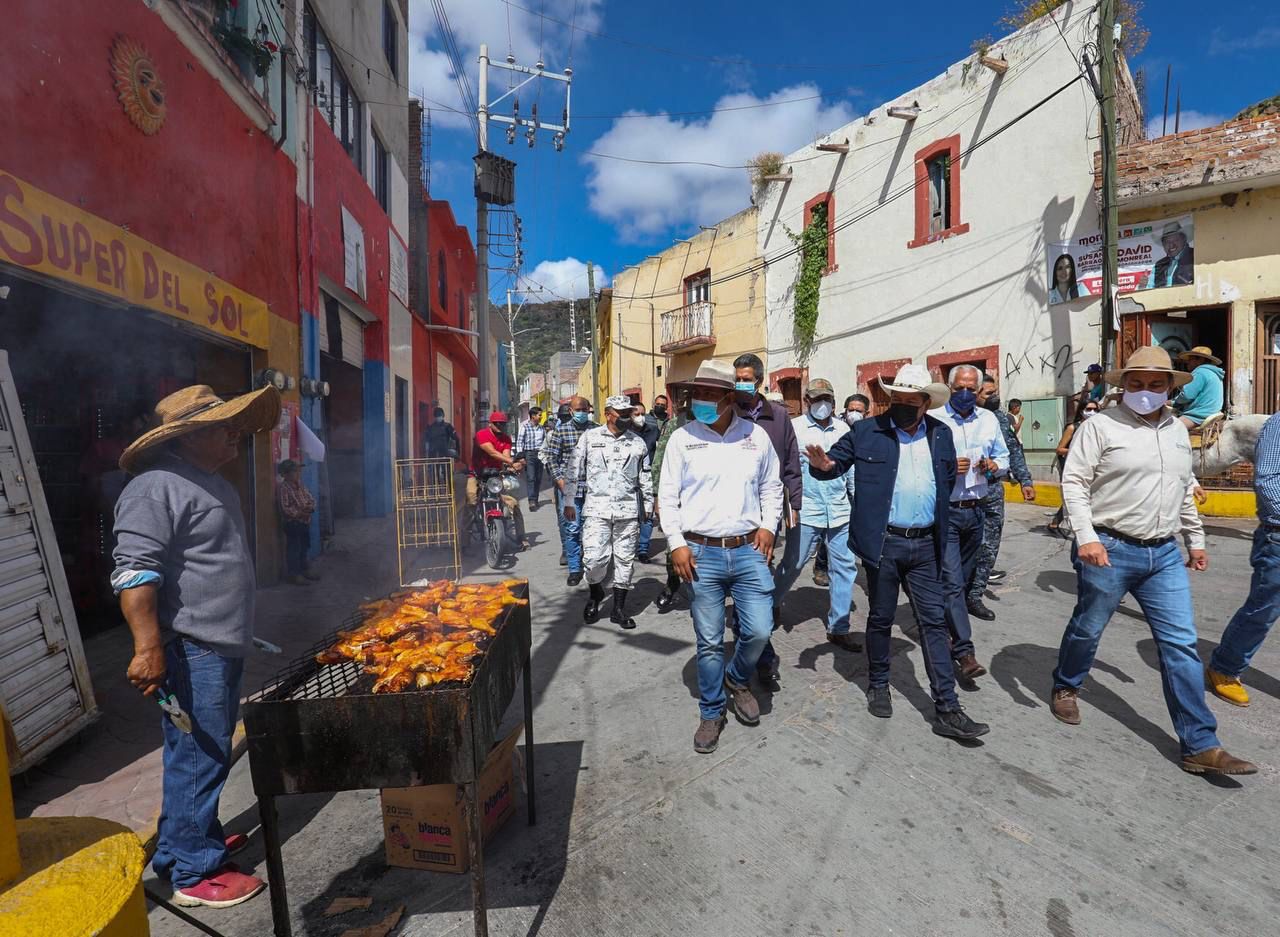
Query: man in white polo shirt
x=720, y=499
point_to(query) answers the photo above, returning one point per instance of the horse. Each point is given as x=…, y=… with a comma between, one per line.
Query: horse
x=1225, y=442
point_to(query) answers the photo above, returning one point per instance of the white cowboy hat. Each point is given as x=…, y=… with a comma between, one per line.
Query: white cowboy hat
x=1148, y=358
x=710, y=373
x=197, y=407
x=916, y=379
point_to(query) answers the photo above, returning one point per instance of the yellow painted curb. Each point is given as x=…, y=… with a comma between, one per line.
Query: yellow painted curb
x=1221, y=503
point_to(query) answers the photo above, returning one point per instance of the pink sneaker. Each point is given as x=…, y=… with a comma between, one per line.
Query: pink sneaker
x=223, y=889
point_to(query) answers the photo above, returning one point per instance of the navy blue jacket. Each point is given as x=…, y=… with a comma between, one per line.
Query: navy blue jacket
x=872, y=446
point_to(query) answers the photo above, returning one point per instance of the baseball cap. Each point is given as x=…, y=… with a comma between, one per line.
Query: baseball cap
x=1093, y=369
x=820, y=387
x=619, y=402
x=497, y=416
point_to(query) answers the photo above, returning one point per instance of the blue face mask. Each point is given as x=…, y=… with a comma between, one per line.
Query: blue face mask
x=963, y=400
x=745, y=387
x=706, y=411
x=580, y=417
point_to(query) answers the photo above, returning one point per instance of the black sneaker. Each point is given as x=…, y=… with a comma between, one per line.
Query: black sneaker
x=957, y=725
x=642, y=557
x=879, y=702
x=574, y=578
x=978, y=609
x=995, y=575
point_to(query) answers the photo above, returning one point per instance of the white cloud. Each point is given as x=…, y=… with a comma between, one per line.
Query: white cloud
x=566, y=279
x=644, y=199
x=1266, y=37
x=1188, y=120
x=477, y=21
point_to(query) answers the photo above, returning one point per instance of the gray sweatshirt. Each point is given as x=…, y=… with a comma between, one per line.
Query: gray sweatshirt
x=182, y=529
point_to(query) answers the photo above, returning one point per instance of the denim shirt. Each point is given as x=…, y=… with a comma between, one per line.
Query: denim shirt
x=915, y=493
x=826, y=503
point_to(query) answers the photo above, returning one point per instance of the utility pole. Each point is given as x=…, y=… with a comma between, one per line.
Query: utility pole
x=573, y=328
x=1110, y=210
x=595, y=356
x=482, y=254
x=511, y=325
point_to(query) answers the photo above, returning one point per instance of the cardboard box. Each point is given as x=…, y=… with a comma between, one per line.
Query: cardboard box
x=425, y=827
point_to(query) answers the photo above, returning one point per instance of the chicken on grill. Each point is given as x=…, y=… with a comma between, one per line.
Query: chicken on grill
x=421, y=637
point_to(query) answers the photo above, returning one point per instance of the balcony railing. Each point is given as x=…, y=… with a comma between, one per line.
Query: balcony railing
x=689, y=327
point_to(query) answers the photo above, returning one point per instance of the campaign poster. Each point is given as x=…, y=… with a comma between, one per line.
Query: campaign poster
x=1151, y=255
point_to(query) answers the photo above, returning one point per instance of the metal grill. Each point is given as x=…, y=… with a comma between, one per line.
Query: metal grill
x=426, y=520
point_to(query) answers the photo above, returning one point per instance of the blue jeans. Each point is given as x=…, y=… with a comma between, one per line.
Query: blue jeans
x=646, y=534
x=532, y=475
x=802, y=543
x=1249, y=626
x=964, y=541
x=913, y=563
x=191, y=845
x=743, y=574
x=571, y=534
x=1157, y=578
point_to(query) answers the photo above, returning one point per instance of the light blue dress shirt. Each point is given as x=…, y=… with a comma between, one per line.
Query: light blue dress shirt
x=826, y=502
x=915, y=492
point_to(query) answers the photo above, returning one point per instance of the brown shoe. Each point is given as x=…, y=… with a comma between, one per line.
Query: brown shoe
x=743, y=702
x=968, y=669
x=1064, y=706
x=707, y=737
x=1217, y=761
x=845, y=641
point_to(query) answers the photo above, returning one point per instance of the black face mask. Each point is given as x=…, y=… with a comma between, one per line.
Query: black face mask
x=993, y=403
x=904, y=415
x=660, y=411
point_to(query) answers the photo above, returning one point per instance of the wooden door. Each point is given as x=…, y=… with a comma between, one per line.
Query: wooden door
x=1266, y=394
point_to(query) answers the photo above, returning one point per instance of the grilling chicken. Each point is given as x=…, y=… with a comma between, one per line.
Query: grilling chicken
x=418, y=638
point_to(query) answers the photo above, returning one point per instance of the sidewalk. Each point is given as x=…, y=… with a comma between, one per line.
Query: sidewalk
x=112, y=769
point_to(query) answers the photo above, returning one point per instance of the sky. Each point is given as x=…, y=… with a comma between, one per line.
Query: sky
x=664, y=80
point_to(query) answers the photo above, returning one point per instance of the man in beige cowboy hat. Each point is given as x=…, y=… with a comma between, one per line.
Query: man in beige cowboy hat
x=1177, y=266
x=184, y=573
x=1203, y=395
x=1129, y=490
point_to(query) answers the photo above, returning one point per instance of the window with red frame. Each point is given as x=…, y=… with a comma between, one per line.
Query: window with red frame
x=937, y=192
x=824, y=205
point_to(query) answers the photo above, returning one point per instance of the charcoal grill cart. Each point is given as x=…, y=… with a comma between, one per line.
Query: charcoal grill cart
x=319, y=729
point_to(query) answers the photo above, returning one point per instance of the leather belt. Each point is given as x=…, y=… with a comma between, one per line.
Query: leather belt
x=726, y=543
x=1134, y=541
x=911, y=533
x=967, y=503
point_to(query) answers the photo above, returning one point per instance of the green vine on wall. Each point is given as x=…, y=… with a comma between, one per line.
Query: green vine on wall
x=813, y=264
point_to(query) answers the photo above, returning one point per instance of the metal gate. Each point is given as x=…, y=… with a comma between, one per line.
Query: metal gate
x=426, y=521
x=44, y=680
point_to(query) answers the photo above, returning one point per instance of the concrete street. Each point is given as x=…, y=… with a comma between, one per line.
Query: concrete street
x=823, y=820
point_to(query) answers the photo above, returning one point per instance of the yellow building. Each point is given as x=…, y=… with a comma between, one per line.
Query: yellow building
x=700, y=298
x=604, y=345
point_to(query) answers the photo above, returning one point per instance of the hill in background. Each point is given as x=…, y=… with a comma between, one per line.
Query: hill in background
x=542, y=329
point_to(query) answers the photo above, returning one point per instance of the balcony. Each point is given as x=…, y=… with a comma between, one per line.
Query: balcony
x=689, y=327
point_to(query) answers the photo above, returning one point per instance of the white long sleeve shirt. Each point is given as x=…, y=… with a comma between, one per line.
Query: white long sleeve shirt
x=976, y=436
x=719, y=486
x=1123, y=473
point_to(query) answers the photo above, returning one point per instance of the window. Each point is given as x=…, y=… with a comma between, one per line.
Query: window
x=442, y=284
x=381, y=173
x=332, y=92
x=390, y=37
x=697, y=288
x=823, y=207
x=937, y=183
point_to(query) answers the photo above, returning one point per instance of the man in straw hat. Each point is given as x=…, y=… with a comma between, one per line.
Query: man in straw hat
x=612, y=462
x=1129, y=489
x=720, y=498
x=906, y=466
x=1203, y=396
x=185, y=576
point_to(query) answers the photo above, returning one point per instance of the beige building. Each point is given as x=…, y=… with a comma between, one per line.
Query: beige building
x=700, y=298
x=1227, y=178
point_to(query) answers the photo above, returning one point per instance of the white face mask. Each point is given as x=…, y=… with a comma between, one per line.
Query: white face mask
x=1088, y=413
x=1144, y=402
x=821, y=410
x=853, y=416
x=638, y=420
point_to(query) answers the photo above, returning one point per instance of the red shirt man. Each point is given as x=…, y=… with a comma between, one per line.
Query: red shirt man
x=492, y=437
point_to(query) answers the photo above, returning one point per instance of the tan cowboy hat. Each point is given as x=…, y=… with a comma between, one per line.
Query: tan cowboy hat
x=711, y=373
x=1148, y=358
x=198, y=407
x=916, y=379
x=1201, y=351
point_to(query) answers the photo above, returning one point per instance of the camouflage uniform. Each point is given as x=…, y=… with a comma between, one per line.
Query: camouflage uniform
x=993, y=508
x=614, y=469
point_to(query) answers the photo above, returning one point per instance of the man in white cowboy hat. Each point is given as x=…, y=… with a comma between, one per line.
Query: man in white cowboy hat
x=720, y=499
x=906, y=466
x=1203, y=396
x=1129, y=490
x=1177, y=266
x=185, y=576
x=612, y=464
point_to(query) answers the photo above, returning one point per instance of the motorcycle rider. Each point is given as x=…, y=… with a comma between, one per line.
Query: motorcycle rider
x=491, y=449
x=613, y=461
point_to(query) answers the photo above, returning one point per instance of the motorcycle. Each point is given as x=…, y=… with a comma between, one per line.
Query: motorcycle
x=492, y=522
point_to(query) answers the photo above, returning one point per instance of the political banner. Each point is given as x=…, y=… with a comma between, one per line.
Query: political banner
x=1151, y=255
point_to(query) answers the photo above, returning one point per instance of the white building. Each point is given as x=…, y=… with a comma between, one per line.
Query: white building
x=938, y=242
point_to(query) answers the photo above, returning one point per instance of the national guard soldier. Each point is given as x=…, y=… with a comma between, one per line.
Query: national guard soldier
x=613, y=461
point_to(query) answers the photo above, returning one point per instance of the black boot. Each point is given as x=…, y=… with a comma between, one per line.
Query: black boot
x=619, y=614
x=591, y=613
x=666, y=599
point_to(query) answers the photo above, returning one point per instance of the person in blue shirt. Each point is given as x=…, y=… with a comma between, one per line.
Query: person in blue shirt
x=1250, y=625
x=905, y=463
x=1203, y=396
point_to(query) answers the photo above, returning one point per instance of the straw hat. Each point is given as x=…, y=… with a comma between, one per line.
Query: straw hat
x=1148, y=358
x=1201, y=351
x=198, y=407
x=916, y=379
x=710, y=373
